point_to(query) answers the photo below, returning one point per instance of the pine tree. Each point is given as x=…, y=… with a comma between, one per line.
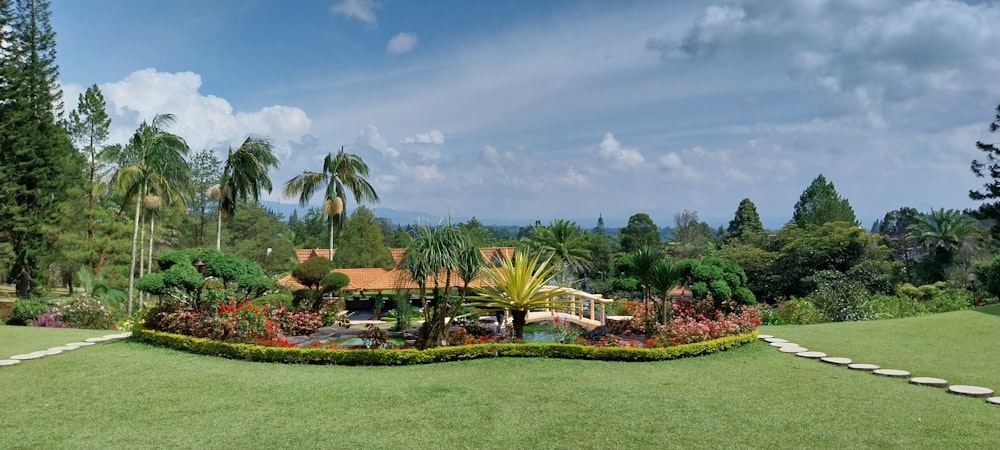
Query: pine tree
x=88, y=127
x=36, y=155
x=820, y=203
x=990, y=209
x=361, y=245
x=746, y=221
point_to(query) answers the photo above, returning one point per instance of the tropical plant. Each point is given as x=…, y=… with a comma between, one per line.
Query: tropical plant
x=663, y=278
x=434, y=256
x=563, y=241
x=244, y=176
x=519, y=284
x=341, y=172
x=151, y=162
x=941, y=233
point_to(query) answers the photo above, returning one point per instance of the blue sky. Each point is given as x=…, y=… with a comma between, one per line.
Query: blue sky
x=520, y=110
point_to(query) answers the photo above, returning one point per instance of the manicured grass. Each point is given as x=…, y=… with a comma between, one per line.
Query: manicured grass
x=962, y=347
x=127, y=394
x=15, y=340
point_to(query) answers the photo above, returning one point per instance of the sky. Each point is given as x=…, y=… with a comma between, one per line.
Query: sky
x=515, y=111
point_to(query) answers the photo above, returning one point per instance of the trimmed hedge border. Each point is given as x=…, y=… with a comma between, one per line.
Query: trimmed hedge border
x=386, y=357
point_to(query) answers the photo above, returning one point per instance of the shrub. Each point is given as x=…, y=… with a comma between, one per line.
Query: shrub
x=51, y=319
x=276, y=300
x=895, y=306
x=26, y=311
x=769, y=316
x=799, y=311
x=249, y=322
x=949, y=300
x=296, y=323
x=310, y=272
x=842, y=300
x=88, y=312
x=334, y=281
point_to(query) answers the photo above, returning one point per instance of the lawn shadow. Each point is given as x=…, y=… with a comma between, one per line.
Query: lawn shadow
x=991, y=309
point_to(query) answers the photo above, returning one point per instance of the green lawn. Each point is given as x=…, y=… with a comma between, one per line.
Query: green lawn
x=126, y=394
x=962, y=347
x=15, y=340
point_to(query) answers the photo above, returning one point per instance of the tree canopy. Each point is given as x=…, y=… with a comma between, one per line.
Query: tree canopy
x=820, y=203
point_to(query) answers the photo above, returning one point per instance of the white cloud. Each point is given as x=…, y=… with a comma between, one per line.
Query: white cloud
x=573, y=178
x=363, y=10
x=426, y=172
x=490, y=154
x=435, y=137
x=671, y=161
x=204, y=121
x=370, y=137
x=621, y=158
x=401, y=43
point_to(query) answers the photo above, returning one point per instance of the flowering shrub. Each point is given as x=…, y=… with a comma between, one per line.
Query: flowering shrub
x=296, y=323
x=686, y=329
x=249, y=322
x=566, y=333
x=51, y=319
x=461, y=337
x=88, y=312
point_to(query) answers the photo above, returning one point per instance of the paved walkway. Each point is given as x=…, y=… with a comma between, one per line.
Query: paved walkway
x=790, y=347
x=16, y=359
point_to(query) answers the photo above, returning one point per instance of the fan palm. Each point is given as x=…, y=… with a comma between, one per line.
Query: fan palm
x=941, y=233
x=341, y=172
x=663, y=278
x=519, y=284
x=244, y=176
x=151, y=162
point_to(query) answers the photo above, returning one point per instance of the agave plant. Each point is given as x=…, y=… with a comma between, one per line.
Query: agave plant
x=519, y=284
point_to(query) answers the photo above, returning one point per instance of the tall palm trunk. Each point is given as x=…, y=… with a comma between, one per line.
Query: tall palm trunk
x=331, y=237
x=218, y=231
x=149, y=267
x=135, y=243
x=142, y=258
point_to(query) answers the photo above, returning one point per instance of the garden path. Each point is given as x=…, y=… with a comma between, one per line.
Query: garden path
x=16, y=359
x=790, y=347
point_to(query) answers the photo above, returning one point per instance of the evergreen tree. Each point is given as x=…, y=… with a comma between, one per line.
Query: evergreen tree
x=640, y=232
x=746, y=221
x=362, y=245
x=820, y=203
x=206, y=169
x=990, y=209
x=88, y=126
x=37, y=161
x=599, y=229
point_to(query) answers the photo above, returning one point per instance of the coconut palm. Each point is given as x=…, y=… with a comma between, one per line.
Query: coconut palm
x=519, y=284
x=151, y=162
x=341, y=171
x=244, y=176
x=562, y=239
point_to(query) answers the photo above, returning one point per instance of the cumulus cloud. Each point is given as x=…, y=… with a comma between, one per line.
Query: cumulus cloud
x=573, y=178
x=401, y=43
x=620, y=157
x=205, y=121
x=370, y=137
x=435, y=137
x=363, y=10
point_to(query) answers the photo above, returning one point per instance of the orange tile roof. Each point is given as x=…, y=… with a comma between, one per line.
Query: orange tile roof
x=490, y=254
x=303, y=254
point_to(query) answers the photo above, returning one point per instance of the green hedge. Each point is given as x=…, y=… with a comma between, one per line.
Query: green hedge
x=348, y=357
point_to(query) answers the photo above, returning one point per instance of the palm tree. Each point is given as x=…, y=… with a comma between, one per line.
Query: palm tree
x=941, y=233
x=563, y=241
x=151, y=162
x=434, y=255
x=644, y=260
x=664, y=277
x=341, y=171
x=244, y=175
x=519, y=284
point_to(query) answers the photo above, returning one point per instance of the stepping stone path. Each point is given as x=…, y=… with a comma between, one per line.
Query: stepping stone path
x=891, y=373
x=15, y=359
x=971, y=391
x=790, y=347
x=929, y=381
x=836, y=360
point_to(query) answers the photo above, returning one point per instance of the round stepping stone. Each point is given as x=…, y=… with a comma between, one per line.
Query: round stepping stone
x=811, y=355
x=25, y=356
x=857, y=366
x=9, y=362
x=79, y=344
x=929, y=381
x=50, y=352
x=993, y=400
x=64, y=348
x=971, y=391
x=784, y=344
x=792, y=349
x=774, y=339
x=891, y=373
x=764, y=336
x=115, y=336
x=98, y=339
x=836, y=360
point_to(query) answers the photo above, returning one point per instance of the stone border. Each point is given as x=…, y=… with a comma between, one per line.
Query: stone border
x=785, y=346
